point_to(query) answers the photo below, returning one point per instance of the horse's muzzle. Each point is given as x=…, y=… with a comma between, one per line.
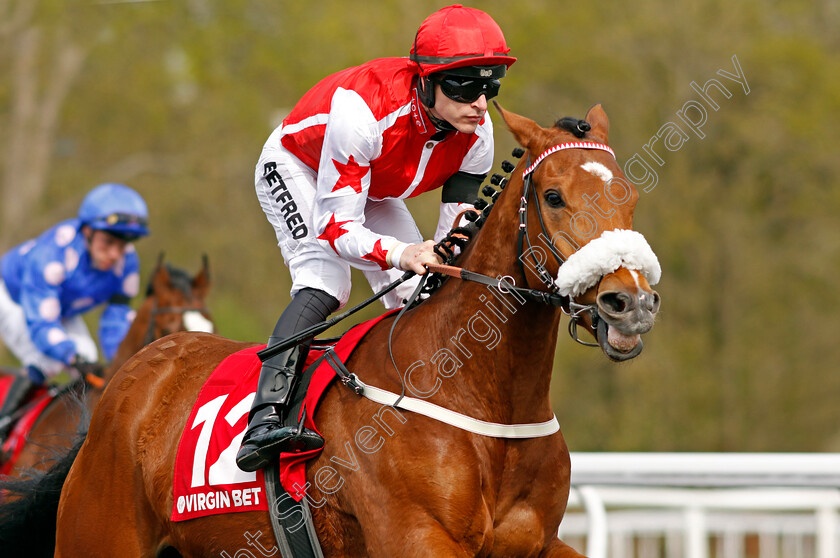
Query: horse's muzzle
x=624, y=317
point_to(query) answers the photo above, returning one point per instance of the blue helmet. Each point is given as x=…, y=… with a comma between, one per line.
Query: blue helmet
x=116, y=209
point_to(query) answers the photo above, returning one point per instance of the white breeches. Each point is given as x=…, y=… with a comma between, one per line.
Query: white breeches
x=309, y=264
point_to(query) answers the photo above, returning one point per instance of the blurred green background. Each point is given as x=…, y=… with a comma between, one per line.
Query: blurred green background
x=176, y=97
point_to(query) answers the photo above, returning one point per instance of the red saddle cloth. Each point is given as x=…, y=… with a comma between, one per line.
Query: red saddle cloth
x=16, y=439
x=207, y=480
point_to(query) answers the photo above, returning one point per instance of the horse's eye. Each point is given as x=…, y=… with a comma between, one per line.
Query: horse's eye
x=554, y=199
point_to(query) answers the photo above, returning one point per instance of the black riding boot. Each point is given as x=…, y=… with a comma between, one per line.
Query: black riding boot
x=267, y=435
x=19, y=392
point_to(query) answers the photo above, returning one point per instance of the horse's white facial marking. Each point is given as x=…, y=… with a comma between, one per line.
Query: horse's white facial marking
x=598, y=170
x=194, y=321
x=635, y=275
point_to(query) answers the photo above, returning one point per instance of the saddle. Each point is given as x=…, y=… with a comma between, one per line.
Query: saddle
x=206, y=479
x=21, y=422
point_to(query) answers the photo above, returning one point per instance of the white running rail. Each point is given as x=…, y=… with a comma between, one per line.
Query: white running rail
x=703, y=505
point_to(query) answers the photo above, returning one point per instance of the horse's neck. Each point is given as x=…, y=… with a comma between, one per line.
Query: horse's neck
x=134, y=339
x=506, y=343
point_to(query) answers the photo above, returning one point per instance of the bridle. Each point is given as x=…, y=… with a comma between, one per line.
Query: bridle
x=529, y=190
x=507, y=284
x=571, y=308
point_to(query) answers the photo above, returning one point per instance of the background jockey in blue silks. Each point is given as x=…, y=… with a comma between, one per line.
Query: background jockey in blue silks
x=47, y=283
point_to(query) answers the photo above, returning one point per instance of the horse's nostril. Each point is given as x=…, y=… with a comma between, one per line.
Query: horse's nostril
x=614, y=302
x=654, y=306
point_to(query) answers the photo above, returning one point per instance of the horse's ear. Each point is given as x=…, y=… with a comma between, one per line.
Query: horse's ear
x=160, y=262
x=160, y=278
x=597, y=118
x=524, y=130
x=201, y=282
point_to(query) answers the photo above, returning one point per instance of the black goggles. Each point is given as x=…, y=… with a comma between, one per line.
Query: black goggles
x=467, y=89
x=117, y=219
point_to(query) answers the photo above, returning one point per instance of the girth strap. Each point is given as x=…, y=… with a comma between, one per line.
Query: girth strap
x=291, y=521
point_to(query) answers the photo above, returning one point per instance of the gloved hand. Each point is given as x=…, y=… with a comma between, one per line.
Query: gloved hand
x=91, y=372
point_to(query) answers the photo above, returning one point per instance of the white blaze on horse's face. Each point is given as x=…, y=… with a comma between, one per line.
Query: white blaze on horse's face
x=598, y=170
x=635, y=276
x=195, y=321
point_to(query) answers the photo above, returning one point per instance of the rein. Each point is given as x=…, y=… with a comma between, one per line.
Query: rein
x=314, y=330
x=505, y=285
x=436, y=412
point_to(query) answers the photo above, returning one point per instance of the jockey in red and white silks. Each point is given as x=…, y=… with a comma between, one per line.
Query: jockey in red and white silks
x=332, y=177
x=332, y=180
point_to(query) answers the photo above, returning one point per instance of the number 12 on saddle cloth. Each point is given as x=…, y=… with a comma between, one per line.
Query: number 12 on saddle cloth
x=207, y=480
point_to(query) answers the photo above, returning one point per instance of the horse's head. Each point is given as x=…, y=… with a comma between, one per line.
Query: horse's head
x=576, y=237
x=176, y=300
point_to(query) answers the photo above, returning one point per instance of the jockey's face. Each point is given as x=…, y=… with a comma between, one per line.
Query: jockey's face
x=105, y=249
x=464, y=117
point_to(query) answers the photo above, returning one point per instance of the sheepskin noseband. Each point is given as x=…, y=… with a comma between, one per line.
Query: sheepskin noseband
x=605, y=254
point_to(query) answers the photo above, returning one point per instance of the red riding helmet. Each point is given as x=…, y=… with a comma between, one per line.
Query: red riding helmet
x=454, y=37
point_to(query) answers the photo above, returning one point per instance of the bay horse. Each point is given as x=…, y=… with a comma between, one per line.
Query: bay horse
x=433, y=489
x=174, y=301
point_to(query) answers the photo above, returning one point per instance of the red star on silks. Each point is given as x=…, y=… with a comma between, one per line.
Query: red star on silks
x=378, y=255
x=332, y=231
x=351, y=175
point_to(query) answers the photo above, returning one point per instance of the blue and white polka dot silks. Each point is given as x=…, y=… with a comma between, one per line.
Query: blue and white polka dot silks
x=51, y=278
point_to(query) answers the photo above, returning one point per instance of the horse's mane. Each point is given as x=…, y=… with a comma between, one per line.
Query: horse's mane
x=461, y=236
x=573, y=125
x=178, y=278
